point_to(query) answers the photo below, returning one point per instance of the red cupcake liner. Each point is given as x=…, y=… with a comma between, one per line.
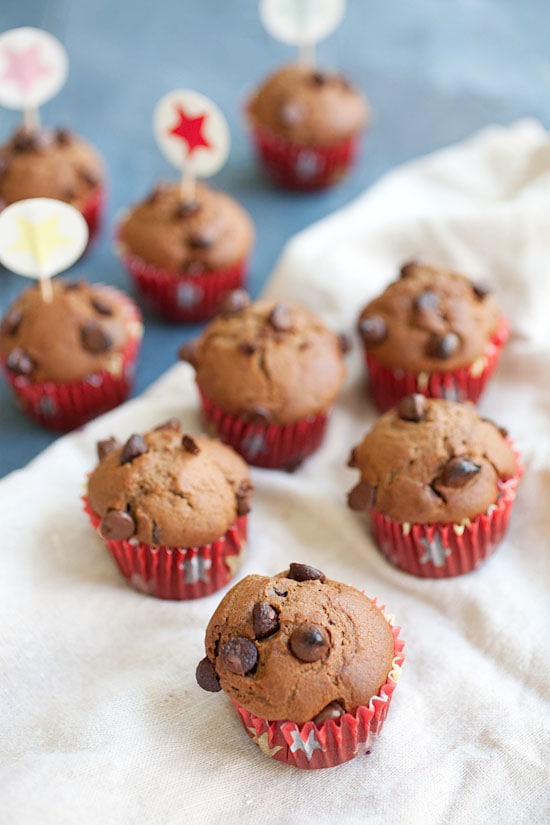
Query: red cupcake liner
x=282, y=446
x=300, y=167
x=92, y=211
x=178, y=573
x=62, y=407
x=312, y=746
x=180, y=297
x=439, y=551
x=388, y=386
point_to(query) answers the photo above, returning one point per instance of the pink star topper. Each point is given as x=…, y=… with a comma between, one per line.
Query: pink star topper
x=33, y=68
x=24, y=66
x=190, y=129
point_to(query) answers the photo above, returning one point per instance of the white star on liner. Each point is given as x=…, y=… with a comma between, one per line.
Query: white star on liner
x=253, y=445
x=188, y=295
x=196, y=569
x=307, y=165
x=311, y=744
x=451, y=393
x=263, y=742
x=436, y=552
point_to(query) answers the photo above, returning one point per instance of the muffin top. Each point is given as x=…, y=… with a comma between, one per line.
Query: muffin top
x=431, y=319
x=213, y=232
x=297, y=646
x=429, y=460
x=168, y=488
x=81, y=331
x=49, y=164
x=267, y=361
x=309, y=107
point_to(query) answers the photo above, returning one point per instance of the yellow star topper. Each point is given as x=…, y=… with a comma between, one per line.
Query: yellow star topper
x=41, y=239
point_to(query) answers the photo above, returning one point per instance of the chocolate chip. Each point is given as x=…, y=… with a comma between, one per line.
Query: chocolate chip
x=239, y=656
x=243, y=494
x=25, y=141
x=480, y=292
x=117, y=525
x=10, y=324
x=69, y=194
x=108, y=445
x=170, y=424
x=280, y=318
x=408, y=269
x=318, y=78
x=19, y=362
x=458, y=471
x=258, y=415
x=155, y=534
x=94, y=339
x=71, y=286
x=134, y=447
x=280, y=591
x=206, y=676
x=90, y=177
x=344, y=343
x=100, y=306
x=412, y=408
x=234, y=302
x=63, y=136
x=362, y=496
x=291, y=113
x=372, y=329
x=265, y=620
x=247, y=347
x=427, y=300
x=309, y=643
x=442, y=346
x=190, y=445
x=201, y=239
x=332, y=711
x=304, y=573
x=352, y=460
x=186, y=208
x=187, y=352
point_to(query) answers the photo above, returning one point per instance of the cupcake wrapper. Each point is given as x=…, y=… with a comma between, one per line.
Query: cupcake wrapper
x=92, y=211
x=439, y=551
x=63, y=407
x=388, y=386
x=282, y=446
x=178, y=573
x=183, y=298
x=310, y=746
x=302, y=167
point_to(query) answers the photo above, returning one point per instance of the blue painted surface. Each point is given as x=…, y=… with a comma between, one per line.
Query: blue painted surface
x=434, y=71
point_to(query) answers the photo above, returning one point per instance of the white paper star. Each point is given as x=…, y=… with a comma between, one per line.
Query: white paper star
x=253, y=445
x=436, y=552
x=196, y=569
x=188, y=295
x=308, y=746
x=307, y=165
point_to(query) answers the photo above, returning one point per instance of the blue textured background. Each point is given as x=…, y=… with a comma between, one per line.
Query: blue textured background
x=433, y=70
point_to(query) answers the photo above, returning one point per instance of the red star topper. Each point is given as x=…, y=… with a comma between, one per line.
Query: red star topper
x=190, y=130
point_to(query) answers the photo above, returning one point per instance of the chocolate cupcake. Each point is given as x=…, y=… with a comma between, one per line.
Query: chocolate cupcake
x=438, y=482
x=72, y=358
x=268, y=374
x=310, y=665
x=172, y=510
x=434, y=332
x=53, y=164
x=305, y=124
x=185, y=257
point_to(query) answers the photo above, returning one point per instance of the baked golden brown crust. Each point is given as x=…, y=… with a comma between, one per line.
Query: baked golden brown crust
x=326, y=643
x=178, y=490
x=272, y=361
x=80, y=332
x=309, y=107
x=58, y=165
x=431, y=461
x=432, y=319
x=214, y=232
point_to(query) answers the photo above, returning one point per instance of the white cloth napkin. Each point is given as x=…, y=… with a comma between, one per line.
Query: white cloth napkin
x=101, y=720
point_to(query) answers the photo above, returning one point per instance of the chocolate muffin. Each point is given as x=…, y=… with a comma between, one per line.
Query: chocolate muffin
x=185, y=257
x=52, y=164
x=432, y=331
x=267, y=370
x=438, y=481
x=306, y=123
x=73, y=357
x=171, y=508
x=297, y=647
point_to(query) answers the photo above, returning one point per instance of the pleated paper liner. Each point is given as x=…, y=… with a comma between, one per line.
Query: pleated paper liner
x=282, y=446
x=92, y=211
x=64, y=406
x=182, y=297
x=178, y=573
x=333, y=742
x=293, y=166
x=439, y=551
x=388, y=386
